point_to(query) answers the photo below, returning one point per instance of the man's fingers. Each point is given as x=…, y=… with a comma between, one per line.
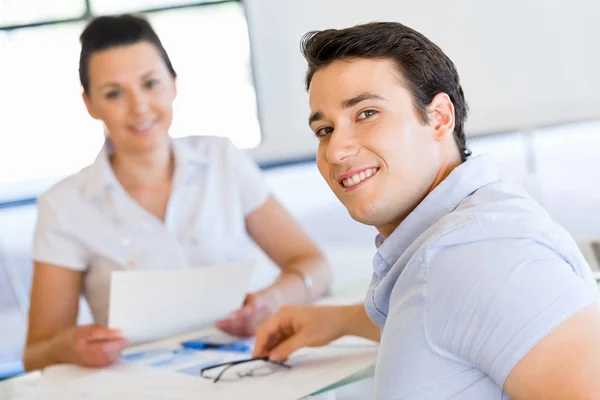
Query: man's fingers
x=263, y=338
x=283, y=350
x=267, y=344
x=270, y=334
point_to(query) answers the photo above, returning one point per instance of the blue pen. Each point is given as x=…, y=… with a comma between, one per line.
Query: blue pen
x=200, y=345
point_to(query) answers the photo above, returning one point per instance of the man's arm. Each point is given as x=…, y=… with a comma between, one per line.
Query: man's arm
x=359, y=323
x=294, y=327
x=563, y=365
x=516, y=310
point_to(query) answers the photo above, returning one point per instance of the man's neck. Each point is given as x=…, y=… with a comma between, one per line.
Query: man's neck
x=446, y=167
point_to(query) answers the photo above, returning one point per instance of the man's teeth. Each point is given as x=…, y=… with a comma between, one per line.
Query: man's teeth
x=357, y=178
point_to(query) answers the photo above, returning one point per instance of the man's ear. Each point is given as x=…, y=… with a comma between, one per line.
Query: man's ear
x=88, y=105
x=441, y=116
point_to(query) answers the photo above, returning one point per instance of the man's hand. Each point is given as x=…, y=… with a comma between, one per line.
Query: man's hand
x=294, y=327
x=245, y=321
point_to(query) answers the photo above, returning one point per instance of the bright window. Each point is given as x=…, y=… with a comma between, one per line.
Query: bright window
x=45, y=131
x=20, y=12
x=119, y=6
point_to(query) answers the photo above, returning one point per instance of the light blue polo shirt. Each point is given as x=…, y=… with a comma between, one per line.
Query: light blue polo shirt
x=469, y=282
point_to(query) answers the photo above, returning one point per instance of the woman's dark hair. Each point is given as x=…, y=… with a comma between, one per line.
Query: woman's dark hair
x=424, y=67
x=105, y=32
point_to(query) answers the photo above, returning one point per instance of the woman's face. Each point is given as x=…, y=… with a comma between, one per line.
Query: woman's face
x=131, y=91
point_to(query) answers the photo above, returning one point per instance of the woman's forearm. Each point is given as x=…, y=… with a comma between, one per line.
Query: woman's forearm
x=45, y=352
x=303, y=281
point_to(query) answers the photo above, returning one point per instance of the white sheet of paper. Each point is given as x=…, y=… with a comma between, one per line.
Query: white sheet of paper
x=150, y=305
x=70, y=382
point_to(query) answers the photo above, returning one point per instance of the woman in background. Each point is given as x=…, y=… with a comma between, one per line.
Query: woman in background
x=151, y=202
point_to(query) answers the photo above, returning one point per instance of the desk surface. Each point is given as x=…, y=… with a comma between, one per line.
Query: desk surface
x=347, y=293
x=13, y=388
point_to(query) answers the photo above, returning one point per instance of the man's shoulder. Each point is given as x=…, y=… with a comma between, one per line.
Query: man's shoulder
x=482, y=253
x=496, y=211
x=498, y=227
x=496, y=230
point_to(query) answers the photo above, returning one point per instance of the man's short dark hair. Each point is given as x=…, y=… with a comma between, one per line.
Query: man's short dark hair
x=426, y=70
x=111, y=31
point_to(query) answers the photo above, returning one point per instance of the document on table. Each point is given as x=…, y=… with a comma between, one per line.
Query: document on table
x=164, y=370
x=69, y=382
x=150, y=305
x=178, y=359
x=312, y=370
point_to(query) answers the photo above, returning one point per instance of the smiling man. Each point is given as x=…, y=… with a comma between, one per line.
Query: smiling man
x=476, y=292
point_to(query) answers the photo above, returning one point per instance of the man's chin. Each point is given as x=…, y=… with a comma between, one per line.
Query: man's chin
x=361, y=216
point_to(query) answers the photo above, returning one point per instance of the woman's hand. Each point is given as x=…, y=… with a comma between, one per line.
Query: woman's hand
x=257, y=308
x=91, y=345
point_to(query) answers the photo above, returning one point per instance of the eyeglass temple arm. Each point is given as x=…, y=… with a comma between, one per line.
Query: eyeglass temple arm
x=280, y=363
x=230, y=364
x=234, y=363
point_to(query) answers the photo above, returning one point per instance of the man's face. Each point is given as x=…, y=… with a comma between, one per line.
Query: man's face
x=374, y=151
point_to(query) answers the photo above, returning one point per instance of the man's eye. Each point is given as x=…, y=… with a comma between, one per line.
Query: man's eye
x=366, y=114
x=323, y=131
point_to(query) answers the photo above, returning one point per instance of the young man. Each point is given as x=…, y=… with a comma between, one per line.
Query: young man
x=476, y=292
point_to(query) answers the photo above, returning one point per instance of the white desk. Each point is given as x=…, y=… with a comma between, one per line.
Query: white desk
x=12, y=389
x=350, y=287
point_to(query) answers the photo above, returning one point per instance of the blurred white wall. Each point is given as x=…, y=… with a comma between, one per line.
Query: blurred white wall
x=523, y=63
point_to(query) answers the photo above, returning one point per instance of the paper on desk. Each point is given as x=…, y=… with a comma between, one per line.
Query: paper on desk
x=69, y=382
x=313, y=370
x=149, y=305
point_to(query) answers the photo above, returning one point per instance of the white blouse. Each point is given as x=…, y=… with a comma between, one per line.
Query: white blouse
x=89, y=223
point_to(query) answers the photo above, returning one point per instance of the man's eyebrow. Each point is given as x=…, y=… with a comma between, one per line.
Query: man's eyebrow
x=316, y=116
x=351, y=102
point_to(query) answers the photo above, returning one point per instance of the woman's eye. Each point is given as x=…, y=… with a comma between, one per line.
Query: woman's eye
x=323, y=132
x=366, y=114
x=113, y=94
x=152, y=83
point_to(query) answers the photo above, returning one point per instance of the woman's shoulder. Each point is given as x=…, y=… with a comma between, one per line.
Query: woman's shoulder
x=67, y=189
